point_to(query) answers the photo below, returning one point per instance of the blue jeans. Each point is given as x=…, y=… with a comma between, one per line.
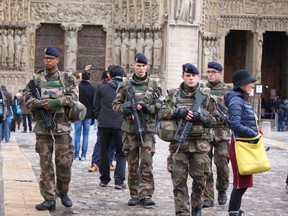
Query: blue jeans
x=97, y=149
x=280, y=126
x=6, y=130
x=78, y=130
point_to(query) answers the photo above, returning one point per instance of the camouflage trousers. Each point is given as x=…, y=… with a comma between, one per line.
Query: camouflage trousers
x=221, y=160
x=196, y=164
x=140, y=159
x=64, y=153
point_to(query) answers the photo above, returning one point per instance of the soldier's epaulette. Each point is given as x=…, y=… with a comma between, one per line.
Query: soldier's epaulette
x=126, y=82
x=172, y=91
x=229, y=86
x=205, y=90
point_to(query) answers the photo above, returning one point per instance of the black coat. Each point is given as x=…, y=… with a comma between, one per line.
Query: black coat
x=106, y=116
x=86, y=95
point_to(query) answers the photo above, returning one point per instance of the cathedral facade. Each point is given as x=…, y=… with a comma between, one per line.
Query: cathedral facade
x=249, y=34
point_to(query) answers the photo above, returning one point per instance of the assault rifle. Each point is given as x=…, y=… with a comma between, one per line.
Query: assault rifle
x=139, y=119
x=223, y=115
x=184, y=126
x=45, y=114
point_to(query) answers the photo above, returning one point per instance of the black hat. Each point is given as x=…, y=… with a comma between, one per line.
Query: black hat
x=52, y=51
x=242, y=77
x=141, y=58
x=189, y=68
x=215, y=65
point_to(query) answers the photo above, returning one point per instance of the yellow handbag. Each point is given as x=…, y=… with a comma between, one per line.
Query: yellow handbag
x=251, y=158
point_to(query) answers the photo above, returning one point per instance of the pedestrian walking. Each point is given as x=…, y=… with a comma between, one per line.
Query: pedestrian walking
x=219, y=150
x=281, y=117
x=243, y=124
x=97, y=147
x=109, y=126
x=86, y=95
x=57, y=93
x=26, y=115
x=17, y=117
x=189, y=156
x=136, y=99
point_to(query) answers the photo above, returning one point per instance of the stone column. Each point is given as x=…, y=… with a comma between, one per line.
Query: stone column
x=221, y=39
x=70, y=56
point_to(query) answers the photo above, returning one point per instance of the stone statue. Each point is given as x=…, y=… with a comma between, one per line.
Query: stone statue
x=259, y=55
x=157, y=52
x=71, y=50
x=24, y=49
x=132, y=48
x=124, y=50
x=140, y=43
x=17, y=41
x=148, y=46
x=4, y=47
x=117, y=48
x=206, y=52
x=11, y=48
x=184, y=11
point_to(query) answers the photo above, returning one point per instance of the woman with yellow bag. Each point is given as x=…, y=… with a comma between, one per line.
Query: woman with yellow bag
x=244, y=125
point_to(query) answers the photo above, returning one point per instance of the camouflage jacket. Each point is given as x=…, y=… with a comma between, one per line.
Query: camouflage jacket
x=217, y=90
x=146, y=92
x=56, y=85
x=201, y=133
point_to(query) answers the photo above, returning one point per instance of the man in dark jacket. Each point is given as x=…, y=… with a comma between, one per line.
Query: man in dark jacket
x=109, y=126
x=86, y=95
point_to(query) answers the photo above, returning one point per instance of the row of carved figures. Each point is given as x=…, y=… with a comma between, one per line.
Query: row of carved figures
x=13, y=49
x=127, y=44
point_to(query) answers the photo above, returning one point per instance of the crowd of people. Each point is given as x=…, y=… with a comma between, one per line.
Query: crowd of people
x=17, y=116
x=129, y=112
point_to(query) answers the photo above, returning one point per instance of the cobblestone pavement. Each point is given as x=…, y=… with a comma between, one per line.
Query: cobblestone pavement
x=267, y=197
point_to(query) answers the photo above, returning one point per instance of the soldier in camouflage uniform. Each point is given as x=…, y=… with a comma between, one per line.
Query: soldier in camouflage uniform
x=56, y=93
x=189, y=157
x=139, y=154
x=222, y=137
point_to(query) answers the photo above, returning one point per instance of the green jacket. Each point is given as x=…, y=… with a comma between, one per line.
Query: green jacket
x=60, y=90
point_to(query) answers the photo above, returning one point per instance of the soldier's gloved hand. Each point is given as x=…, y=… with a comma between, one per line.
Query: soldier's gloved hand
x=127, y=111
x=196, y=117
x=180, y=113
x=53, y=103
x=146, y=109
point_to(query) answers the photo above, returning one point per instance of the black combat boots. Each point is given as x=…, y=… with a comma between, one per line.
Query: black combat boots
x=236, y=213
x=197, y=212
x=65, y=200
x=46, y=205
x=222, y=197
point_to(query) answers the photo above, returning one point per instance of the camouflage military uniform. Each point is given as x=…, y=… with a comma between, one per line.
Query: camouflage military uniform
x=192, y=156
x=220, y=144
x=139, y=158
x=63, y=92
